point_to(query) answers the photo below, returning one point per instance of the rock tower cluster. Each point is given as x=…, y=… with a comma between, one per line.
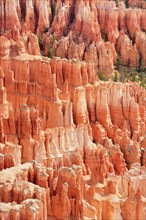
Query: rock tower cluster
x=72, y=147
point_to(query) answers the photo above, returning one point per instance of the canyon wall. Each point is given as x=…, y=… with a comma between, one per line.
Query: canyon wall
x=95, y=31
x=74, y=144
x=71, y=146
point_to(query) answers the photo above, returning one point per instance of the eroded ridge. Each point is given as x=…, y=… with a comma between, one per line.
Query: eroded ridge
x=71, y=145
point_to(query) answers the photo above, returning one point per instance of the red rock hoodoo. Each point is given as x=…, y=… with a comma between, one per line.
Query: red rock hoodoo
x=72, y=147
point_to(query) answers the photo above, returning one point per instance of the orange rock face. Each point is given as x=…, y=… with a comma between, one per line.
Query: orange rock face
x=69, y=30
x=71, y=146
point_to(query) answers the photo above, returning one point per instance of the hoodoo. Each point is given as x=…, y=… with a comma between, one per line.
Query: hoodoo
x=72, y=110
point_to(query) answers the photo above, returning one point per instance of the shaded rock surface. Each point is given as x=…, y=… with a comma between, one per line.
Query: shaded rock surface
x=94, y=31
x=77, y=138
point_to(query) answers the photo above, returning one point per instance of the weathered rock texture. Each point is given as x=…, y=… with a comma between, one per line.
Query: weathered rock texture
x=75, y=132
x=94, y=31
x=71, y=146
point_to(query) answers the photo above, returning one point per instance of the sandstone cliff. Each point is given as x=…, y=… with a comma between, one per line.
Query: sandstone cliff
x=75, y=132
x=69, y=29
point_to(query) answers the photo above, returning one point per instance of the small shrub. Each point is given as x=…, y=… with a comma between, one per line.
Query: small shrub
x=116, y=76
x=50, y=52
x=143, y=79
x=102, y=77
x=134, y=77
x=40, y=42
x=53, y=38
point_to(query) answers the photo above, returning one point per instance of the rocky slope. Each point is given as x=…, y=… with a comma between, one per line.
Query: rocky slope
x=94, y=31
x=71, y=146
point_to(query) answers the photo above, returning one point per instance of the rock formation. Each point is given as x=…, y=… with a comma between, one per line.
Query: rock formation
x=69, y=30
x=71, y=146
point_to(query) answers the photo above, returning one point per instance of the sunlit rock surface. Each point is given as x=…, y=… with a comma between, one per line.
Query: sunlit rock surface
x=71, y=146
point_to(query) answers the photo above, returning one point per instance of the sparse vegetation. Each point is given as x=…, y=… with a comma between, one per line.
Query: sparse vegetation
x=127, y=73
x=53, y=38
x=40, y=41
x=50, y=52
x=116, y=76
x=40, y=44
x=117, y=2
x=124, y=74
x=102, y=77
x=50, y=48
